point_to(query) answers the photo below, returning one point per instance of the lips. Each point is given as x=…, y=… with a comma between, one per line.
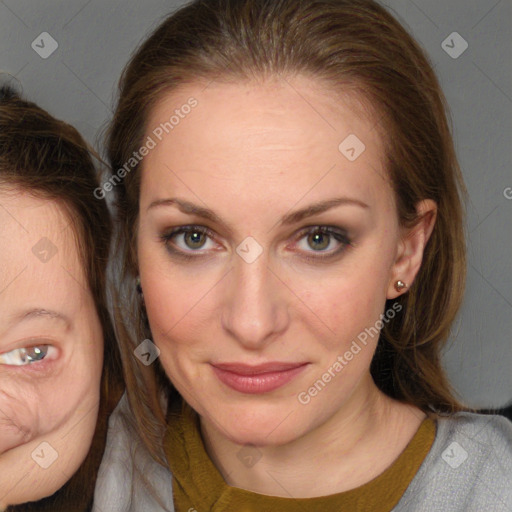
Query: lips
x=256, y=379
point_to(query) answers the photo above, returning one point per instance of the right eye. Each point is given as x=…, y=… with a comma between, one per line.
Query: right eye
x=27, y=355
x=189, y=242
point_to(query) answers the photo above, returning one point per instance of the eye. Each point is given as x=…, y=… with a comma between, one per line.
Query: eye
x=188, y=239
x=184, y=241
x=30, y=355
x=323, y=239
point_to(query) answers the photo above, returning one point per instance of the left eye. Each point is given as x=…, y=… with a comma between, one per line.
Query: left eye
x=24, y=356
x=323, y=239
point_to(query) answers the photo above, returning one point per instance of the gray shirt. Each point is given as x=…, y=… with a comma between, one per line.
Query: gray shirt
x=468, y=469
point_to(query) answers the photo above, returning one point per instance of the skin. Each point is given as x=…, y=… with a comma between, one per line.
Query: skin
x=54, y=400
x=252, y=153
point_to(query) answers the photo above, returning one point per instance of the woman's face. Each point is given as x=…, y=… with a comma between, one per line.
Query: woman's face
x=51, y=350
x=268, y=241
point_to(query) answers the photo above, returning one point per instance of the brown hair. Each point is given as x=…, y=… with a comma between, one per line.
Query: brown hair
x=351, y=45
x=49, y=159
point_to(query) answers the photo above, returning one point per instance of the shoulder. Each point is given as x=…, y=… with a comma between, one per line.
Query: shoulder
x=477, y=424
x=129, y=479
x=468, y=468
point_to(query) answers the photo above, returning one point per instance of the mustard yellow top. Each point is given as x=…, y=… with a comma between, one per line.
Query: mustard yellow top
x=198, y=485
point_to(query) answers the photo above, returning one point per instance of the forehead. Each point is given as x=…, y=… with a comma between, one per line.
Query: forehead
x=39, y=258
x=283, y=133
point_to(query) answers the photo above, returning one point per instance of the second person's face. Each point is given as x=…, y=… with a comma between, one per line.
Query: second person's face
x=51, y=349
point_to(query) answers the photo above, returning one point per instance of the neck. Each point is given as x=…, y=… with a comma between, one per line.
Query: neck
x=351, y=448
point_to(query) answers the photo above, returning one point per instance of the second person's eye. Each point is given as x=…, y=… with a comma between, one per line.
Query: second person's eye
x=27, y=355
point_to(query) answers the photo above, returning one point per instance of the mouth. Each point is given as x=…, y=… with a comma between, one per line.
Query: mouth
x=257, y=379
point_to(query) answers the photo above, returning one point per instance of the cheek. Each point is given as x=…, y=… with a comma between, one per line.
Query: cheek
x=343, y=305
x=81, y=377
x=181, y=303
x=84, y=369
x=32, y=406
x=185, y=321
x=351, y=313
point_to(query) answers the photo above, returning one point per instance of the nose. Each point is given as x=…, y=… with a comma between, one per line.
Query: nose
x=255, y=309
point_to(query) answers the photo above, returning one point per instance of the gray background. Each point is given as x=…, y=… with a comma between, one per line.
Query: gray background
x=95, y=38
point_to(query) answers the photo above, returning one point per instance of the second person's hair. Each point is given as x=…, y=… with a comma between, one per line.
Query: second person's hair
x=49, y=159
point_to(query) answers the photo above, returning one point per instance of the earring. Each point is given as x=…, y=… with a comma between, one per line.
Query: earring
x=400, y=285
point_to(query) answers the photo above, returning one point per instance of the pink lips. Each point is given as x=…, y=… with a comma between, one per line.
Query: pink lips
x=257, y=379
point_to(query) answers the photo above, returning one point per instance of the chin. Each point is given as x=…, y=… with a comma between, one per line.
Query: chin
x=258, y=425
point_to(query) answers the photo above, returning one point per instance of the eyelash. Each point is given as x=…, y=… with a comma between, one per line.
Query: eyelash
x=339, y=235
x=10, y=359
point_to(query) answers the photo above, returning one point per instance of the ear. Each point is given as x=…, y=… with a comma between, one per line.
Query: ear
x=411, y=246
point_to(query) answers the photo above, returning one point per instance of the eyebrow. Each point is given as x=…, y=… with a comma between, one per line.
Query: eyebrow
x=35, y=313
x=290, y=218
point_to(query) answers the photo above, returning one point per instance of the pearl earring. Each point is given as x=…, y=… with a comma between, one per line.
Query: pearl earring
x=400, y=285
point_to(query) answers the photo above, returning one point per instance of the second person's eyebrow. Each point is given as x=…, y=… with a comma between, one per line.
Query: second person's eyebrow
x=34, y=313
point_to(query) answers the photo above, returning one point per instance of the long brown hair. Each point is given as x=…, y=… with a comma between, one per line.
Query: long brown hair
x=351, y=45
x=49, y=159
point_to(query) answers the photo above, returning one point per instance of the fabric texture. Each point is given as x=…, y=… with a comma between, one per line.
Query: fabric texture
x=467, y=469
x=129, y=479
